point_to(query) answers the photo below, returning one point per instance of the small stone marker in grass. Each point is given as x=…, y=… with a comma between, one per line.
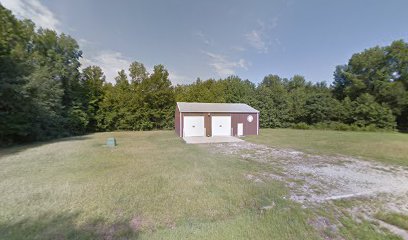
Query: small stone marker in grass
x=111, y=142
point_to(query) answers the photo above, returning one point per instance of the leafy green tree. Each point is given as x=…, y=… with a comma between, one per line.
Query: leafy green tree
x=44, y=95
x=137, y=72
x=202, y=91
x=36, y=67
x=321, y=108
x=14, y=38
x=114, y=109
x=123, y=96
x=122, y=81
x=158, y=100
x=61, y=54
x=273, y=102
x=237, y=90
x=92, y=83
x=368, y=112
x=298, y=92
x=340, y=82
x=107, y=115
x=346, y=114
x=381, y=72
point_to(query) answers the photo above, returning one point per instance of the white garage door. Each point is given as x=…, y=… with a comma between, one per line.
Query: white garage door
x=194, y=126
x=221, y=125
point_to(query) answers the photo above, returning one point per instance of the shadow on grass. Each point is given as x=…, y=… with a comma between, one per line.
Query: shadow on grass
x=65, y=226
x=13, y=149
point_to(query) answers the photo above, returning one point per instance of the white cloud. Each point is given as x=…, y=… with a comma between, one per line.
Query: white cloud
x=274, y=23
x=34, y=10
x=110, y=61
x=258, y=38
x=206, y=40
x=83, y=43
x=238, y=48
x=224, y=67
x=176, y=78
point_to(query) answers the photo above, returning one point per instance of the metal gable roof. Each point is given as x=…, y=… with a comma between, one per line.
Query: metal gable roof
x=215, y=107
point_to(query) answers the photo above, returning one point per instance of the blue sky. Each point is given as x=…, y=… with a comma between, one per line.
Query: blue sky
x=218, y=38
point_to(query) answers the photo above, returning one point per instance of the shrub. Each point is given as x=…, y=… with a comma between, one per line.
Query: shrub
x=332, y=125
x=371, y=115
x=339, y=126
x=301, y=125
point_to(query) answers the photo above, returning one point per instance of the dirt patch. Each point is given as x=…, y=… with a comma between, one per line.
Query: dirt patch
x=319, y=178
x=253, y=178
x=316, y=179
x=136, y=224
x=326, y=228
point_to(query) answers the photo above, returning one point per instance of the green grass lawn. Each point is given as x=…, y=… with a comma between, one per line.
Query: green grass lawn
x=151, y=186
x=388, y=147
x=395, y=219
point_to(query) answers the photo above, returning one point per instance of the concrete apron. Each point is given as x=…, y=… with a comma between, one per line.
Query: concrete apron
x=215, y=139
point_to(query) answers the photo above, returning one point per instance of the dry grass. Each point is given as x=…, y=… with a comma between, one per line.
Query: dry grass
x=387, y=147
x=396, y=219
x=151, y=185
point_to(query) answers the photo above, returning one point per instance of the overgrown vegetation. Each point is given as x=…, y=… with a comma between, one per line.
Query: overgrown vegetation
x=364, y=230
x=396, y=219
x=44, y=94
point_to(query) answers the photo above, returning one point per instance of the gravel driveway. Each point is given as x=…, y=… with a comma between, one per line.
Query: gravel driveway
x=318, y=178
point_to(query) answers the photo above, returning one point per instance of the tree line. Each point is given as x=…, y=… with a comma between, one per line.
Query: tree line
x=45, y=94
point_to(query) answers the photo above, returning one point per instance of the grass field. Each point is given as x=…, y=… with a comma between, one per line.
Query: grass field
x=396, y=219
x=151, y=186
x=388, y=147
